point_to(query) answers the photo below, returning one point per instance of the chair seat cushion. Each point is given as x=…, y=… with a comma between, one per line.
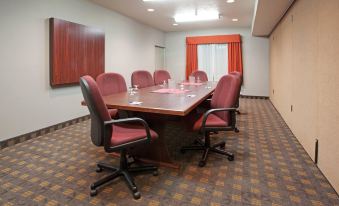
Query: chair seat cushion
x=128, y=133
x=212, y=121
x=112, y=112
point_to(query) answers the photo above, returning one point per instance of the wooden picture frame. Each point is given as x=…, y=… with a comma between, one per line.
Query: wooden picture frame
x=75, y=50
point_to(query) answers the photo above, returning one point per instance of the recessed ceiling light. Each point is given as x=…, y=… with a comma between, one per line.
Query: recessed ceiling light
x=230, y=1
x=175, y=24
x=197, y=16
x=235, y=19
x=150, y=10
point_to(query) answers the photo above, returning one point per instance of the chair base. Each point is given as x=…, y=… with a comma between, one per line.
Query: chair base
x=207, y=148
x=125, y=171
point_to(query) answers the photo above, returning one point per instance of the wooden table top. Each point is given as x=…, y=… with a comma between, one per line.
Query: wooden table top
x=170, y=104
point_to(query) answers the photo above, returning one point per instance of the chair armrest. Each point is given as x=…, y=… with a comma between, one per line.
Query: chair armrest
x=203, y=125
x=130, y=120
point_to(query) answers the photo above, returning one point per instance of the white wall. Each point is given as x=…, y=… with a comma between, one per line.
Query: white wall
x=27, y=101
x=255, y=57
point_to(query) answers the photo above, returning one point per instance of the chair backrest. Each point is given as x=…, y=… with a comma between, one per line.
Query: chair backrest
x=142, y=78
x=97, y=109
x=225, y=95
x=160, y=76
x=238, y=74
x=111, y=83
x=201, y=74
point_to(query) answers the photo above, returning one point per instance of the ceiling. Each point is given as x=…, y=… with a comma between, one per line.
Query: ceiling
x=165, y=10
x=267, y=15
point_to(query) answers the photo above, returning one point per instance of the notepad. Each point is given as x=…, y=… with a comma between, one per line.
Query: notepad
x=135, y=103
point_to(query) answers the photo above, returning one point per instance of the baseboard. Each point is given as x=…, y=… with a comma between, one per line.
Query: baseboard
x=21, y=138
x=253, y=97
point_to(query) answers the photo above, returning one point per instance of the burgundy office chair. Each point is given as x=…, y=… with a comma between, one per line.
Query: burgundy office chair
x=221, y=117
x=201, y=75
x=160, y=76
x=238, y=75
x=115, y=136
x=111, y=83
x=142, y=79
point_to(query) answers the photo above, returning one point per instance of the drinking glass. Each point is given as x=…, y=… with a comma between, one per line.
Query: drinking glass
x=191, y=79
x=131, y=95
x=171, y=83
x=182, y=86
x=136, y=88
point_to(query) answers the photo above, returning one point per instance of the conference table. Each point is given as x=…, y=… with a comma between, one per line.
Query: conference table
x=165, y=110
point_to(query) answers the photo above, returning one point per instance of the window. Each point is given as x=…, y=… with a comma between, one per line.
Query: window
x=213, y=59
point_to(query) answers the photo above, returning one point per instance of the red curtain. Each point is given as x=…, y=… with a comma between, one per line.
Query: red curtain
x=234, y=51
x=191, y=59
x=218, y=39
x=234, y=57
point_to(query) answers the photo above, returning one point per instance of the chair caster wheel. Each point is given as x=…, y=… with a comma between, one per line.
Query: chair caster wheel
x=136, y=195
x=236, y=130
x=155, y=173
x=182, y=151
x=92, y=187
x=98, y=169
x=230, y=158
x=134, y=189
x=202, y=163
x=93, y=193
x=222, y=146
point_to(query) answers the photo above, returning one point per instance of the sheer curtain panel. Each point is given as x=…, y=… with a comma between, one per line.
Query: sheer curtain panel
x=213, y=59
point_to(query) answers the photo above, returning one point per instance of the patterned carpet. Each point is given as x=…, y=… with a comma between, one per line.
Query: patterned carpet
x=270, y=168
